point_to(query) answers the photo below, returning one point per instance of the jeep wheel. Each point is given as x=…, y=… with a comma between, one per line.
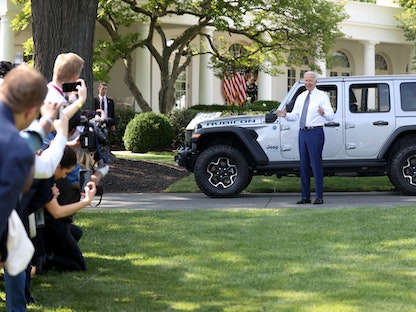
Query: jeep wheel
x=222, y=171
x=403, y=170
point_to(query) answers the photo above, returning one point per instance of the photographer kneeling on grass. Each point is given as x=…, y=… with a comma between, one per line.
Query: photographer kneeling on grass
x=56, y=243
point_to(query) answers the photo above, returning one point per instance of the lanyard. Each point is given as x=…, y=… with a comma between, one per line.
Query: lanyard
x=58, y=89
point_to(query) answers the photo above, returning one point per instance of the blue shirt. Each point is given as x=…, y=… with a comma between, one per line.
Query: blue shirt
x=16, y=160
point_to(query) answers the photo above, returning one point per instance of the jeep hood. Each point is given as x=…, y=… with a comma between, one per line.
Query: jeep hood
x=237, y=121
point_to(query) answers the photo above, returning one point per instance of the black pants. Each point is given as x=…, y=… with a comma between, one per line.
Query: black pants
x=61, y=244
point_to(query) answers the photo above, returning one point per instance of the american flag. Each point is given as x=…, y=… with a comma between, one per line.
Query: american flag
x=235, y=88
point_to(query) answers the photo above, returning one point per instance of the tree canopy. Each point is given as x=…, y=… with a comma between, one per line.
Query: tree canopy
x=408, y=19
x=284, y=32
x=301, y=29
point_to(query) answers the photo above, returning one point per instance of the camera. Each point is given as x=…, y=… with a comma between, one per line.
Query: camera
x=70, y=86
x=95, y=136
x=5, y=67
x=84, y=178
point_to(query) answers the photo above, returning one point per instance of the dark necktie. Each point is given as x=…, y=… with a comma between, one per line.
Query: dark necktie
x=302, y=122
x=102, y=103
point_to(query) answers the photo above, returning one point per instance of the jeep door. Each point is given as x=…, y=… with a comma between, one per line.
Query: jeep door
x=369, y=117
x=289, y=130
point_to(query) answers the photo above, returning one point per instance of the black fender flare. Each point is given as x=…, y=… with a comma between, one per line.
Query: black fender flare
x=247, y=136
x=394, y=137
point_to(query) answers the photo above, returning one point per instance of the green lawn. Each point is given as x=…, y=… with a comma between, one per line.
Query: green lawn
x=360, y=259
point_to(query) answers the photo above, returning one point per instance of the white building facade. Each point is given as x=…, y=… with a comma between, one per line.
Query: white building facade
x=373, y=44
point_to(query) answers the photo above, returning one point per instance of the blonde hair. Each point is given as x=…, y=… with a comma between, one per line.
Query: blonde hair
x=67, y=66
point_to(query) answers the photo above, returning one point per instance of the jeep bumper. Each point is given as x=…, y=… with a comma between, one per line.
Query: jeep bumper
x=186, y=159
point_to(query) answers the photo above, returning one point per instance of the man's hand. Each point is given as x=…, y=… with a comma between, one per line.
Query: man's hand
x=75, y=143
x=89, y=191
x=281, y=113
x=55, y=191
x=82, y=91
x=61, y=125
x=50, y=110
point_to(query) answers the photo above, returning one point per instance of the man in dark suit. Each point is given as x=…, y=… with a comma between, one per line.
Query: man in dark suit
x=101, y=101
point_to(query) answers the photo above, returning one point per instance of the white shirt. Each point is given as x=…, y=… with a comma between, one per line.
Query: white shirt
x=48, y=161
x=105, y=104
x=55, y=94
x=317, y=99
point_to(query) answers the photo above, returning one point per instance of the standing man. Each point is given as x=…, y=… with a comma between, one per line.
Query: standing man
x=106, y=104
x=21, y=96
x=313, y=109
x=67, y=68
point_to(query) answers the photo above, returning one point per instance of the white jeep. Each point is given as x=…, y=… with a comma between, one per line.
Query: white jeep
x=373, y=134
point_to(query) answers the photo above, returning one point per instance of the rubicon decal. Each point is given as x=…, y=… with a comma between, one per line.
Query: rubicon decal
x=230, y=122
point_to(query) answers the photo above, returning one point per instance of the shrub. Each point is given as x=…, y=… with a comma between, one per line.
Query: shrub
x=248, y=108
x=148, y=132
x=180, y=119
x=123, y=117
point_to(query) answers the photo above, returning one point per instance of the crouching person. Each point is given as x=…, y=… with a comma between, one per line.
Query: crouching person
x=60, y=243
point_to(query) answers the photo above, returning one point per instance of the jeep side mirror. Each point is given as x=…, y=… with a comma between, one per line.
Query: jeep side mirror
x=270, y=118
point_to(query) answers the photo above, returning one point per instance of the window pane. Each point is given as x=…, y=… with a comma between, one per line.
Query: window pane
x=291, y=78
x=369, y=98
x=381, y=63
x=408, y=96
x=180, y=91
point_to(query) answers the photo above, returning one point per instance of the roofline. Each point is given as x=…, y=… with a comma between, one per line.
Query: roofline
x=365, y=78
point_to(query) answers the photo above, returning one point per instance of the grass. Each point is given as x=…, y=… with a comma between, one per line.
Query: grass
x=165, y=158
x=267, y=184
x=358, y=259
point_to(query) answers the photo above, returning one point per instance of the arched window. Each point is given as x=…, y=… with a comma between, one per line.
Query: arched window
x=341, y=65
x=341, y=60
x=381, y=65
x=236, y=49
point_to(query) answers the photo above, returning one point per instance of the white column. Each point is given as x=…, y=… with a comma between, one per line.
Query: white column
x=143, y=76
x=322, y=65
x=206, y=76
x=265, y=82
x=6, y=39
x=369, y=57
x=410, y=63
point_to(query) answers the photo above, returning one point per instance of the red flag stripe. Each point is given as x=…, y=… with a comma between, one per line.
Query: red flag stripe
x=229, y=90
x=240, y=86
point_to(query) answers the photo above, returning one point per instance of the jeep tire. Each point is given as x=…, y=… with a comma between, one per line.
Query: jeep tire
x=402, y=171
x=222, y=171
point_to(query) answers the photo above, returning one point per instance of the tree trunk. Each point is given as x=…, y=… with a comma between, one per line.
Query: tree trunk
x=128, y=79
x=64, y=26
x=167, y=97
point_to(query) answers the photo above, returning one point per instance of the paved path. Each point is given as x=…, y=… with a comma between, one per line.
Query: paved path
x=187, y=201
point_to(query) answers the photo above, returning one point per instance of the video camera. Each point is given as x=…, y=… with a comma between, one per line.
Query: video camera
x=5, y=67
x=95, y=136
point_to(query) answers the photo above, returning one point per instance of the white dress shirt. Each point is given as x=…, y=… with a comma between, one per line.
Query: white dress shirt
x=105, y=104
x=48, y=161
x=317, y=99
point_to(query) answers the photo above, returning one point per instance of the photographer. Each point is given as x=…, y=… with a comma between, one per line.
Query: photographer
x=91, y=155
x=55, y=243
x=21, y=95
